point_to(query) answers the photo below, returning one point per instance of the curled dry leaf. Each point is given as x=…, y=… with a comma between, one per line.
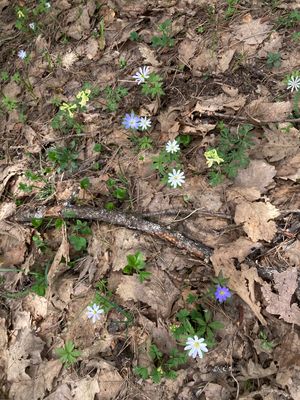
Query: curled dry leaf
x=252, y=31
x=256, y=371
x=280, y=303
x=290, y=168
x=186, y=50
x=293, y=253
x=219, y=102
x=85, y=388
x=256, y=220
x=149, y=55
x=242, y=282
x=259, y=175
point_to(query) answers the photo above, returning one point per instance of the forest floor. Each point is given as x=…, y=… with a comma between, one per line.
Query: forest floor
x=91, y=214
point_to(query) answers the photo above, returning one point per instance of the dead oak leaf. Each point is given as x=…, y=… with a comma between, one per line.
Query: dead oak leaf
x=252, y=31
x=149, y=55
x=281, y=143
x=290, y=169
x=262, y=110
x=159, y=292
x=259, y=175
x=256, y=220
x=285, y=283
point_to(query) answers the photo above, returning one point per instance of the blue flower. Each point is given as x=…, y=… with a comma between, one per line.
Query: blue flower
x=222, y=293
x=22, y=54
x=131, y=121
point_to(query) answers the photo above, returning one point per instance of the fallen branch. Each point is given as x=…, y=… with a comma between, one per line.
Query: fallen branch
x=130, y=221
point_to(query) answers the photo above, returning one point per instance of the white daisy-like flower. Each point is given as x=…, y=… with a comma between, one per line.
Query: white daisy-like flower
x=94, y=312
x=176, y=178
x=172, y=146
x=142, y=74
x=294, y=83
x=47, y=5
x=144, y=123
x=22, y=54
x=32, y=25
x=196, y=346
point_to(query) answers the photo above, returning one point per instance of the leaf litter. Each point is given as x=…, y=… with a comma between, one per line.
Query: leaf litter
x=213, y=60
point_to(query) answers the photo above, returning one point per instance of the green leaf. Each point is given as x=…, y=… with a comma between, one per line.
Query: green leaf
x=156, y=375
x=154, y=353
x=79, y=243
x=143, y=275
x=85, y=183
x=216, y=325
x=142, y=372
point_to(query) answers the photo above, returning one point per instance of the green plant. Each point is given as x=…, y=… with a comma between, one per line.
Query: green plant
x=122, y=63
x=143, y=143
x=77, y=239
x=165, y=39
x=40, y=244
x=114, y=96
x=196, y=322
x=289, y=20
x=117, y=188
x=231, y=8
x=232, y=149
x=4, y=76
x=274, y=60
x=264, y=342
x=136, y=264
x=9, y=104
x=164, y=366
x=65, y=158
x=98, y=147
x=296, y=37
x=153, y=86
x=85, y=183
x=134, y=36
x=68, y=355
x=164, y=162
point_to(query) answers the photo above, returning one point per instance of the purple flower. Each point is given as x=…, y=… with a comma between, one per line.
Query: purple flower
x=222, y=293
x=131, y=121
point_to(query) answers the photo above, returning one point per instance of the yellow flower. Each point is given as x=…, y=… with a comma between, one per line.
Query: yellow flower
x=20, y=14
x=83, y=96
x=68, y=108
x=212, y=157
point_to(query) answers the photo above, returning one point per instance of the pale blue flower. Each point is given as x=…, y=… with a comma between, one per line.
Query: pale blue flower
x=142, y=74
x=131, y=121
x=94, y=312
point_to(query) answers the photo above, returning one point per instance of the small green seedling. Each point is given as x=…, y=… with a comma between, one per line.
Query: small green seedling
x=165, y=39
x=142, y=143
x=136, y=264
x=134, y=36
x=79, y=230
x=9, y=104
x=64, y=158
x=85, y=183
x=164, y=366
x=289, y=20
x=231, y=8
x=153, y=86
x=68, y=355
x=117, y=188
x=274, y=60
x=4, y=76
x=266, y=344
x=114, y=96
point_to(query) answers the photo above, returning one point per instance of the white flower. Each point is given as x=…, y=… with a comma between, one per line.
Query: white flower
x=172, y=146
x=94, y=312
x=32, y=26
x=176, y=178
x=196, y=347
x=22, y=54
x=144, y=123
x=142, y=75
x=294, y=83
x=47, y=5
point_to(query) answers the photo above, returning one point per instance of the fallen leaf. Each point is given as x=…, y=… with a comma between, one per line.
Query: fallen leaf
x=262, y=110
x=205, y=60
x=186, y=50
x=252, y=31
x=149, y=55
x=256, y=371
x=91, y=48
x=68, y=59
x=256, y=220
x=13, y=243
x=159, y=292
x=259, y=175
x=293, y=253
x=8, y=171
x=281, y=143
x=290, y=168
x=7, y=210
x=219, y=102
x=85, y=388
x=225, y=59
x=214, y=391
x=285, y=283
x=242, y=282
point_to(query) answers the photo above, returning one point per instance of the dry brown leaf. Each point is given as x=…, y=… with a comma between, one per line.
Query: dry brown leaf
x=280, y=143
x=109, y=380
x=63, y=392
x=252, y=31
x=167, y=119
x=225, y=59
x=239, y=194
x=36, y=305
x=62, y=252
x=69, y=59
x=290, y=168
x=186, y=50
x=159, y=292
x=219, y=102
x=91, y=48
x=256, y=371
x=8, y=171
x=258, y=175
x=7, y=210
x=256, y=220
x=293, y=253
x=149, y=55
x=205, y=60
x=272, y=45
x=264, y=111
x=85, y=388
x=285, y=283
x=13, y=243
x=242, y=282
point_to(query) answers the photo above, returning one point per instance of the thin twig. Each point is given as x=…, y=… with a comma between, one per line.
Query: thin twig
x=130, y=221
